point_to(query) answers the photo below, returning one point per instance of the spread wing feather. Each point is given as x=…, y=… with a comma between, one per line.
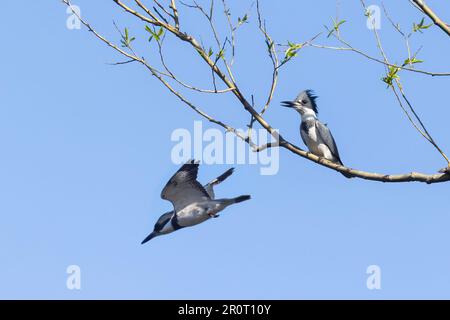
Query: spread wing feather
x=209, y=186
x=183, y=188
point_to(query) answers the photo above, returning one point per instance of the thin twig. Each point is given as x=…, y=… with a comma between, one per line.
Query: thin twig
x=210, y=17
x=173, y=6
x=425, y=132
x=121, y=62
x=171, y=74
x=348, y=47
x=160, y=6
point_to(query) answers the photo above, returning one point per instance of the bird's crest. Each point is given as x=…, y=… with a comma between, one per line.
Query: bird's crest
x=312, y=97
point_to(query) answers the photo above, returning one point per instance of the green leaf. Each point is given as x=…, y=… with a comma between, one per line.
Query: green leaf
x=126, y=40
x=411, y=61
x=210, y=52
x=291, y=51
x=421, y=26
x=221, y=54
x=391, y=76
x=160, y=32
x=341, y=22
x=154, y=34
x=243, y=20
x=336, y=25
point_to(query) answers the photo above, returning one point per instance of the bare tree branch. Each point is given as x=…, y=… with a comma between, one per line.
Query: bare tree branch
x=220, y=46
x=173, y=6
x=156, y=74
x=171, y=74
x=231, y=85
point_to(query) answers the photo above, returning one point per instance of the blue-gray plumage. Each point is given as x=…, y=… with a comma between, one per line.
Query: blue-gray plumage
x=193, y=203
x=162, y=221
x=316, y=135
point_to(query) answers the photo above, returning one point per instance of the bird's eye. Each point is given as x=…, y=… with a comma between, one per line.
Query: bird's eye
x=304, y=102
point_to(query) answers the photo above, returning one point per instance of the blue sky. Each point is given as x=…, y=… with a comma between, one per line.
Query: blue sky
x=86, y=150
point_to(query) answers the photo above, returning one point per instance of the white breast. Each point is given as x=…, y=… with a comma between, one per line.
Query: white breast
x=192, y=215
x=315, y=144
x=310, y=139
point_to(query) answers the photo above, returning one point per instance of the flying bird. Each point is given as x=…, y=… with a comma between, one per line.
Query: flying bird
x=316, y=135
x=192, y=202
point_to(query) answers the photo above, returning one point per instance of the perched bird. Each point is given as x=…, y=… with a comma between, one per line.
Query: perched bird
x=192, y=202
x=315, y=134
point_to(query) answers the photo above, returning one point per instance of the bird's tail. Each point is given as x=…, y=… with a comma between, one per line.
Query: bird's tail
x=149, y=237
x=240, y=199
x=222, y=177
x=223, y=203
x=345, y=174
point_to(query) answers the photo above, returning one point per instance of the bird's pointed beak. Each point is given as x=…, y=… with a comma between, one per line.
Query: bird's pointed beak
x=149, y=237
x=288, y=104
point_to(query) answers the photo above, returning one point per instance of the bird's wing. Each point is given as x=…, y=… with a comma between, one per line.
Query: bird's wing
x=209, y=186
x=162, y=221
x=183, y=188
x=303, y=133
x=327, y=138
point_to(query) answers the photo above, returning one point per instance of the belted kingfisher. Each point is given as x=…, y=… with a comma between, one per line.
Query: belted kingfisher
x=315, y=134
x=192, y=202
